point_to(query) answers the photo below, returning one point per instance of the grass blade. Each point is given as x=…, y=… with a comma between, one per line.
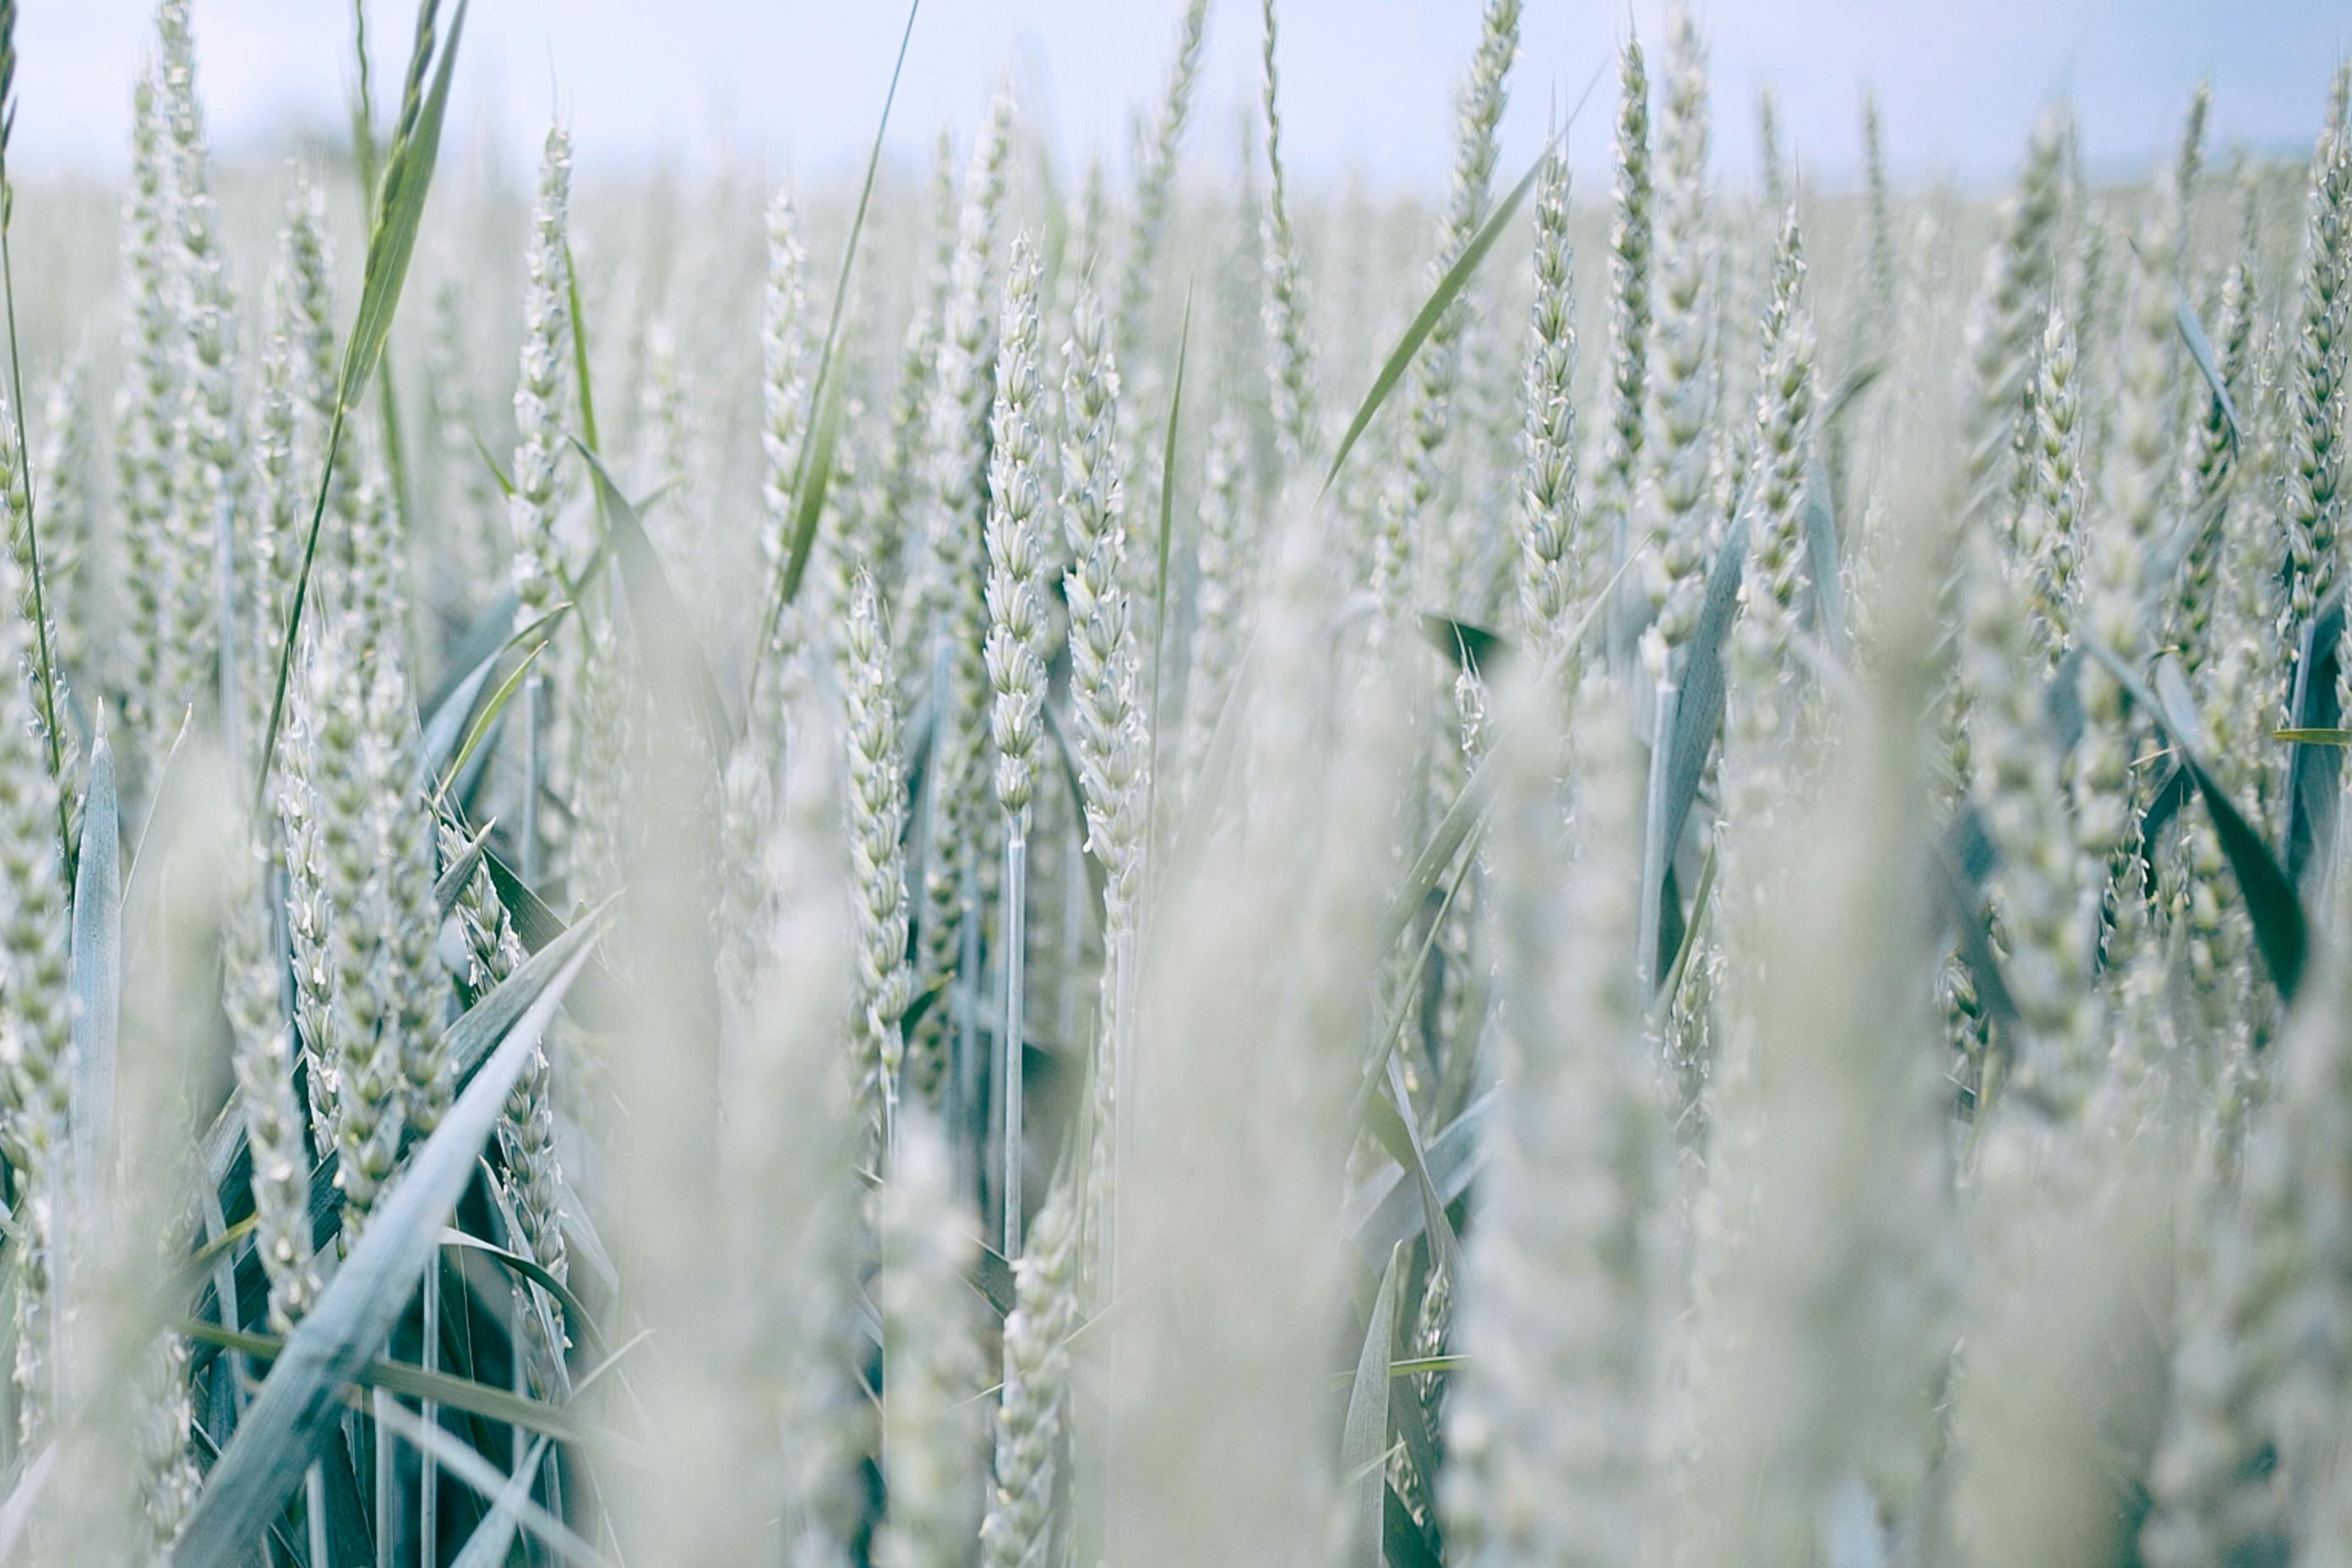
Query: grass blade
x=97, y=961
x=1689, y=732
x=1424, y=322
x=502, y=1406
x=2313, y=771
x=1364, y=1439
x=2200, y=349
x=488, y=722
x=2282, y=932
x=295, y=1413
x=1468, y=647
x=664, y=632
x=400, y=203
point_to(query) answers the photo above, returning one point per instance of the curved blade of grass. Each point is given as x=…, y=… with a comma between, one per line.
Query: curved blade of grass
x=576, y=1312
x=486, y=1400
x=2315, y=737
x=2200, y=349
x=458, y=872
x=1467, y=814
x=658, y=614
x=1407, y=1543
x=478, y=1031
x=1424, y=322
x=1468, y=645
x=487, y=1547
x=1823, y=557
x=535, y=920
x=582, y=379
x=498, y=474
x=97, y=962
x=1364, y=1437
x=287, y=1423
x=1390, y=1118
x=2313, y=771
x=2282, y=932
x=462, y=1462
x=1700, y=898
x=1455, y=828
x=481, y=646
x=1698, y=716
x=447, y=724
x=1383, y=1212
x=1856, y=382
x=808, y=511
x=1961, y=891
x=485, y=722
x=24, y=1497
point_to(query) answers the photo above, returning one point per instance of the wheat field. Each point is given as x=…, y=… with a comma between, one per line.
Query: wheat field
x=1016, y=869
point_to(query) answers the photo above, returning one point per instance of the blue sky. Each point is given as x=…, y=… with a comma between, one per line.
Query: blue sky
x=793, y=85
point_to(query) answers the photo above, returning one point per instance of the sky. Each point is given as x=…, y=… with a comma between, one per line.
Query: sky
x=793, y=86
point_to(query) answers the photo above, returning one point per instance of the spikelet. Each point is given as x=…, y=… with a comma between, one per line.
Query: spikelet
x=478, y=511
x=1156, y=172
x=1290, y=364
x=2048, y=540
x=1108, y=728
x=1628, y=305
x=1016, y=548
x=2043, y=888
x=254, y=990
x=147, y=416
x=1760, y=721
x=877, y=865
x=955, y=611
x=2208, y=466
x=909, y=468
x=63, y=469
x=786, y=1144
x=1818, y=1303
x=1017, y=1530
x=1557, y=554
x=540, y=389
x=1549, y=1435
x=1436, y=370
x=2018, y=270
x=2137, y=482
x=1677, y=446
x=36, y=1053
x=931, y=1359
x=1875, y=319
x=211, y=486
x=1220, y=596
x=330, y=810
x=17, y=510
x=2314, y=426
x=784, y=383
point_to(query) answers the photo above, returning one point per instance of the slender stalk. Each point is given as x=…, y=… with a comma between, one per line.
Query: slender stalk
x=386, y=1484
x=1016, y=880
x=49, y=679
x=294, y=612
x=429, y=1478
